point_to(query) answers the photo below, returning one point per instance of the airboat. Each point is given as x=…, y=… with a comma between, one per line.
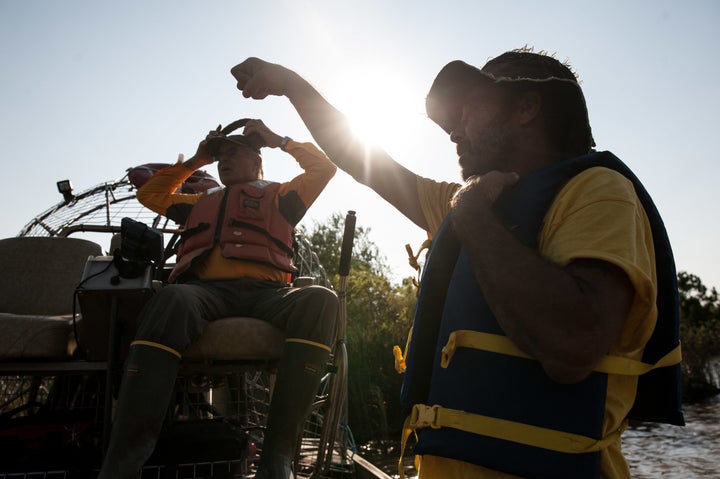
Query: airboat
x=68, y=297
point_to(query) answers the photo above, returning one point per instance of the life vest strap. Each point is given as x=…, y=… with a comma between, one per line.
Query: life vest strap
x=413, y=259
x=401, y=356
x=437, y=417
x=406, y=432
x=502, y=345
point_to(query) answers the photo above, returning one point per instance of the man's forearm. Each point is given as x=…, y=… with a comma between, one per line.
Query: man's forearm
x=328, y=126
x=532, y=300
x=370, y=166
x=566, y=317
x=194, y=163
x=158, y=192
x=331, y=131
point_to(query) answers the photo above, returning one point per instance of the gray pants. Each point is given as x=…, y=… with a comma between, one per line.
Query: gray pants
x=177, y=314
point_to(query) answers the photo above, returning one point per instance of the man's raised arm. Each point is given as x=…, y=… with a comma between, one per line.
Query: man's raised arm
x=330, y=128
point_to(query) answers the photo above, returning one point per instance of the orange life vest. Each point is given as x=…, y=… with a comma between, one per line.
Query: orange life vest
x=245, y=220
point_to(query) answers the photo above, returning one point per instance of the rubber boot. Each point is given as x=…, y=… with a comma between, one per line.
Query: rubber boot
x=299, y=373
x=145, y=392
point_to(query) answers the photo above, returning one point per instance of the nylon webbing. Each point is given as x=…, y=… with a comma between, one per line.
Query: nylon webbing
x=436, y=417
x=401, y=356
x=407, y=430
x=501, y=344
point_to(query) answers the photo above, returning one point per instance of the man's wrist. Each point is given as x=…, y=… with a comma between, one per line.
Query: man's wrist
x=284, y=142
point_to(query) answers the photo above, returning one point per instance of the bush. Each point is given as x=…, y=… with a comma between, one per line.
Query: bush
x=700, y=337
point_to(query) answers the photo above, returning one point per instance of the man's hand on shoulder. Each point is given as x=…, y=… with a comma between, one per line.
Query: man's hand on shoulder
x=480, y=192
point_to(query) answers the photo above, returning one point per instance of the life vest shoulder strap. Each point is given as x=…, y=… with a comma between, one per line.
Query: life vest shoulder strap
x=503, y=345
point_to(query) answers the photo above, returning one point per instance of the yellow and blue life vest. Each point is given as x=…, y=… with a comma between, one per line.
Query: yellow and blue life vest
x=490, y=404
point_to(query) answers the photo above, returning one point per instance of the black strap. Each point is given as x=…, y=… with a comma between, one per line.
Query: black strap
x=278, y=243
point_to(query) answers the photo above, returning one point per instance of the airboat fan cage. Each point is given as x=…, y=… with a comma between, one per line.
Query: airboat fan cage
x=100, y=209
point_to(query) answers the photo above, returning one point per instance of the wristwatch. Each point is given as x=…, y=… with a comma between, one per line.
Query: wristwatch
x=284, y=142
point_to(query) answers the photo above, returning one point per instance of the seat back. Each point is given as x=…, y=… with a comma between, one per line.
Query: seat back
x=38, y=275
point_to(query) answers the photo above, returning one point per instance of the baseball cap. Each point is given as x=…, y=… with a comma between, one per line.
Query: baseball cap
x=254, y=141
x=445, y=99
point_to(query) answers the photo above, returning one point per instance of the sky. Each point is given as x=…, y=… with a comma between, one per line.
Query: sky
x=91, y=88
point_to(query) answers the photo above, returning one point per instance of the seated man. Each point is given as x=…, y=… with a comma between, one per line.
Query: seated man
x=235, y=260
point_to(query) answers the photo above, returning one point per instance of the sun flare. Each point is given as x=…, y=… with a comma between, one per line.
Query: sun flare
x=383, y=106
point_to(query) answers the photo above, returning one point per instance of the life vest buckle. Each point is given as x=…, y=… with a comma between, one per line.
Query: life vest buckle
x=424, y=416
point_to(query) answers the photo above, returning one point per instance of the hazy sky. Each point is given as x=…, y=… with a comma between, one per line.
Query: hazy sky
x=91, y=88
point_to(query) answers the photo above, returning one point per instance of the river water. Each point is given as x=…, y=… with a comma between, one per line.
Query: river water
x=652, y=450
x=672, y=452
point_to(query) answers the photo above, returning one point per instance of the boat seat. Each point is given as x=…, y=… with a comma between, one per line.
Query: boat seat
x=226, y=339
x=240, y=338
x=37, y=284
x=237, y=339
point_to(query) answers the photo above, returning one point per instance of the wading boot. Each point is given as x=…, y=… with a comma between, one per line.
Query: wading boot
x=145, y=391
x=299, y=373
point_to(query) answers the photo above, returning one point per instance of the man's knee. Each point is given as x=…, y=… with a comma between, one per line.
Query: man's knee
x=162, y=300
x=322, y=299
x=165, y=317
x=170, y=295
x=319, y=315
x=322, y=293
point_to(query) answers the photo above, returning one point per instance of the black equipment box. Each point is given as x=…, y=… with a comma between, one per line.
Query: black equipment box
x=105, y=294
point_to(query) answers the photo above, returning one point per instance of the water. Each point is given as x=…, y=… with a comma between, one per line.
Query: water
x=671, y=452
x=652, y=450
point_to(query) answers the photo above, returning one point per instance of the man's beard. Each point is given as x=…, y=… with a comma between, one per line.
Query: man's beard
x=489, y=151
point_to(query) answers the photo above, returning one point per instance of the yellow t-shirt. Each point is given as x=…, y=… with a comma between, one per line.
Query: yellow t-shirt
x=596, y=215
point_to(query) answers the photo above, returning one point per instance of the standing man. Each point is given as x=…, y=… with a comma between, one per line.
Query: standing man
x=235, y=260
x=549, y=291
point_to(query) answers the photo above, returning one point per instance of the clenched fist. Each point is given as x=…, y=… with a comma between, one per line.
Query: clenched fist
x=258, y=79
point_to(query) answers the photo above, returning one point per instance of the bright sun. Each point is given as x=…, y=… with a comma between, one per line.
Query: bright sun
x=382, y=106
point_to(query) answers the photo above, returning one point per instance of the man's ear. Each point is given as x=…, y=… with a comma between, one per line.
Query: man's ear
x=527, y=107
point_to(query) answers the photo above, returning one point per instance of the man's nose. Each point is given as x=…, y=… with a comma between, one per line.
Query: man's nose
x=456, y=135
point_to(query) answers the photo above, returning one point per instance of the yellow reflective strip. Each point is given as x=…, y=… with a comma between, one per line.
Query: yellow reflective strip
x=156, y=345
x=502, y=345
x=309, y=343
x=529, y=435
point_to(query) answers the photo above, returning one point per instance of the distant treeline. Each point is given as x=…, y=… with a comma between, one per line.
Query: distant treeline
x=700, y=337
